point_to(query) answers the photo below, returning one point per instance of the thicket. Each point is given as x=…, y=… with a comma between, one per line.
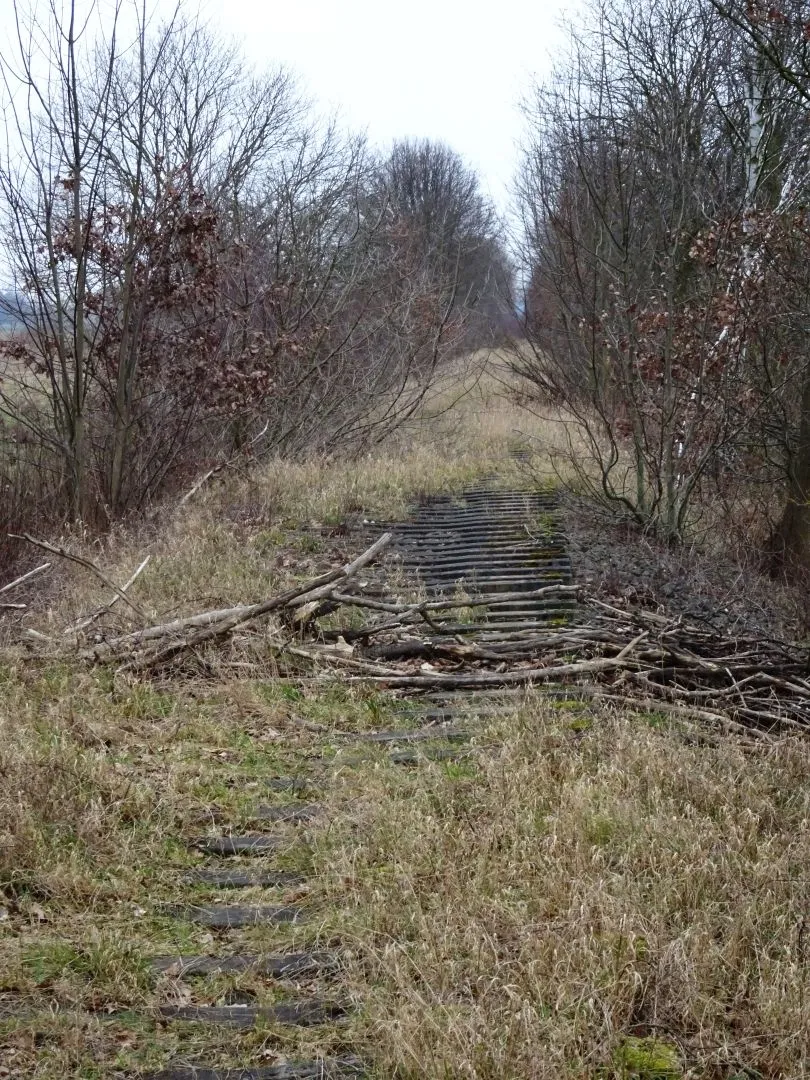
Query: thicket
x=200, y=266
x=664, y=242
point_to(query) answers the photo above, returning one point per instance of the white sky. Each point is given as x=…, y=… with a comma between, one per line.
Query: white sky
x=446, y=69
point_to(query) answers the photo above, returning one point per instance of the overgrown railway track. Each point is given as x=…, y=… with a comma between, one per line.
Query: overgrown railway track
x=473, y=608
x=500, y=549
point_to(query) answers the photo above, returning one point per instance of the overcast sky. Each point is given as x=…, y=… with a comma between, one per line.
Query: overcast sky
x=448, y=69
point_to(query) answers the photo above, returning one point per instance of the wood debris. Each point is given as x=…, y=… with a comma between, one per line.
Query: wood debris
x=613, y=652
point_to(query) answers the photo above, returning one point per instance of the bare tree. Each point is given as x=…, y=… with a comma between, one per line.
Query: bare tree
x=429, y=191
x=193, y=128
x=348, y=312
x=648, y=161
x=201, y=264
x=777, y=37
x=120, y=160
x=51, y=182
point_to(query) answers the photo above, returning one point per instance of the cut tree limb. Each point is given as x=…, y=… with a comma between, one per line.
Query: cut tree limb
x=24, y=577
x=240, y=617
x=225, y=620
x=519, y=677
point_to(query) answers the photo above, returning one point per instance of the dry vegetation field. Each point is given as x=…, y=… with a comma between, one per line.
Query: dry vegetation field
x=588, y=894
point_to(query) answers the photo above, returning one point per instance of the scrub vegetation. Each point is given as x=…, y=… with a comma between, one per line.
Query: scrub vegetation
x=239, y=341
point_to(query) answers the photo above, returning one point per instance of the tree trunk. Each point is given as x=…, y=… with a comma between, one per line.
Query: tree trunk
x=791, y=539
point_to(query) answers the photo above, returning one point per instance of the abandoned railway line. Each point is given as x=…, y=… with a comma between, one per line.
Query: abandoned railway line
x=500, y=548
x=451, y=618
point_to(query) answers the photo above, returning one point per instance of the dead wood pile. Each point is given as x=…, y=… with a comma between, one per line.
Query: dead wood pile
x=609, y=651
x=619, y=653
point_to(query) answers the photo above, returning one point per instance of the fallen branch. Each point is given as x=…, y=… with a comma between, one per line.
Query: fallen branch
x=83, y=623
x=23, y=577
x=240, y=617
x=621, y=654
x=684, y=712
x=482, y=600
x=88, y=564
x=683, y=668
x=224, y=620
x=522, y=676
x=202, y=480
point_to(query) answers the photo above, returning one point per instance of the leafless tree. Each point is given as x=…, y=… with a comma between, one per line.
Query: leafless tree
x=649, y=158
x=340, y=299
x=429, y=191
x=779, y=43
x=201, y=264
x=51, y=181
x=192, y=129
x=120, y=154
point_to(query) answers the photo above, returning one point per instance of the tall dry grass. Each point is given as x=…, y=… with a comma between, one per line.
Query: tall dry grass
x=596, y=898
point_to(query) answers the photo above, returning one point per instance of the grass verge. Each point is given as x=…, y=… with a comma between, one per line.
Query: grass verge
x=597, y=899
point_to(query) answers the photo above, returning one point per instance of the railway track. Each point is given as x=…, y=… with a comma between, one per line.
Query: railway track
x=484, y=542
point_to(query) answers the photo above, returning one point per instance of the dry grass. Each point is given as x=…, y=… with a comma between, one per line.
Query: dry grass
x=102, y=779
x=594, y=899
x=585, y=897
x=103, y=785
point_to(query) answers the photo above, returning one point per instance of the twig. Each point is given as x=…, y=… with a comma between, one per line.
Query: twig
x=84, y=623
x=195, y=487
x=24, y=577
x=629, y=648
x=88, y=564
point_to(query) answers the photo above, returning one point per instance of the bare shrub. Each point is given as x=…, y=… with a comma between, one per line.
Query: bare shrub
x=201, y=265
x=664, y=262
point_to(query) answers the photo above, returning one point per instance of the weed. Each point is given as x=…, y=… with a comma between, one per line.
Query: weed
x=144, y=702
x=109, y=967
x=599, y=829
x=568, y=704
x=583, y=723
x=546, y=524
x=647, y=1059
x=656, y=720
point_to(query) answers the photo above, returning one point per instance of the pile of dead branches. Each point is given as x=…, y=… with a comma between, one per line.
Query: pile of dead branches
x=623, y=654
x=155, y=646
x=608, y=651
